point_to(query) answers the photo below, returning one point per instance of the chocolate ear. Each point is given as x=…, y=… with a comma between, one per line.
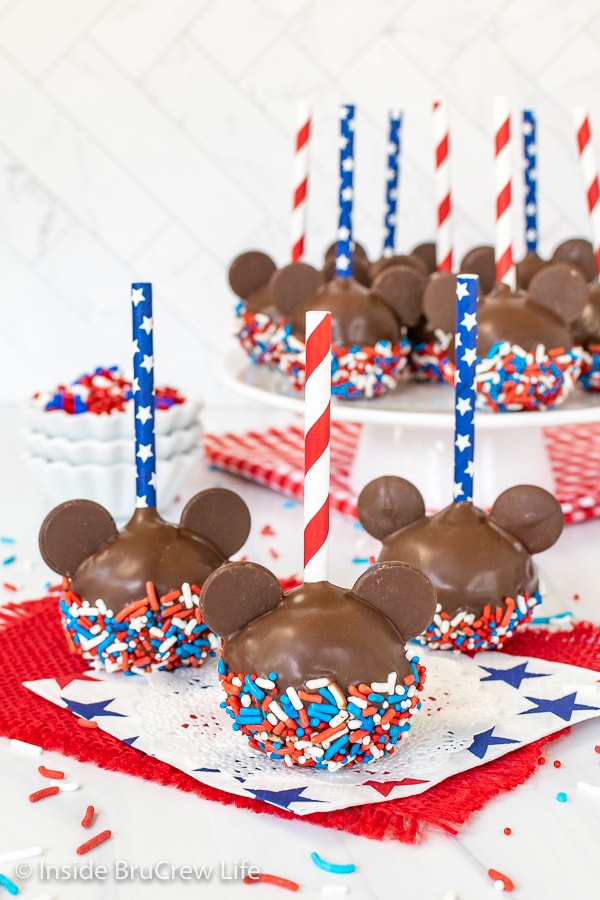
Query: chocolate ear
x=428, y=253
x=401, y=287
x=481, y=261
x=220, y=516
x=439, y=301
x=561, y=288
x=532, y=514
x=72, y=532
x=249, y=272
x=398, y=259
x=387, y=504
x=361, y=267
x=400, y=591
x=236, y=594
x=578, y=252
x=294, y=285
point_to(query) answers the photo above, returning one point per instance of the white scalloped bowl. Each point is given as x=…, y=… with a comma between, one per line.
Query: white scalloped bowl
x=108, y=426
x=111, y=485
x=90, y=450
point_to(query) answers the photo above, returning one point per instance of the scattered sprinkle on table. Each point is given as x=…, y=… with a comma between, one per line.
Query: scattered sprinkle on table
x=589, y=788
x=94, y=842
x=557, y=763
x=45, y=792
x=9, y=885
x=88, y=817
x=334, y=868
x=507, y=830
x=561, y=797
x=50, y=773
x=265, y=878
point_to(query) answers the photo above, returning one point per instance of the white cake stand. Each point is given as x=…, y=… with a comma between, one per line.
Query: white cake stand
x=410, y=432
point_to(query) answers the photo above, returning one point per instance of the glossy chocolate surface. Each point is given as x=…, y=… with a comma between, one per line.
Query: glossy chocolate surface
x=318, y=630
x=469, y=558
x=357, y=317
x=146, y=549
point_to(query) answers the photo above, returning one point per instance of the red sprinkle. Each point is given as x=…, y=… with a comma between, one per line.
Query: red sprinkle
x=86, y=723
x=495, y=875
x=267, y=531
x=575, y=596
x=50, y=773
x=507, y=830
x=88, y=817
x=45, y=792
x=9, y=587
x=273, y=553
x=94, y=842
x=556, y=763
x=265, y=878
x=597, y=748
x=542, y=760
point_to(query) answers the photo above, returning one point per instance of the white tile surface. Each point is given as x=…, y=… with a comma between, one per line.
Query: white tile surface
x=152, y=140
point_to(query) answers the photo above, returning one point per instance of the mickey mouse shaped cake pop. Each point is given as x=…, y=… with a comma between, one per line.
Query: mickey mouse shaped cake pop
x=130, y=598
x=319, y=676
x=480, y=564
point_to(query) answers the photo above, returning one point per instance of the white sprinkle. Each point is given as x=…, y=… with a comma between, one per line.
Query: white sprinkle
x=66, y=785
x=450, y=895
x=391, y=682
x=96, y=629
x=358, y=701
x=14, y=855
x=288, y=760
x=116, y=647
x=236, y=681
x=588, y=788
x=338, y=695
x=180, y=623
x=166, y=645
x=265, y=683
x=499, y=885
x=271, y=719
x=27, y=748
x=101, y=606
x=186, y=592
x=333, y=890
x=294, y=698
x=87, y=645
x=190, y=626
x=277, y=710
x=315, y=683
x=245, y=700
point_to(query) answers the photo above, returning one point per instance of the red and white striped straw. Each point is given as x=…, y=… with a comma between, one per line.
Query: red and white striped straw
x=505, y=266
x=317, y=403
x=441, y=135
x=299, y=206
x=589, y=169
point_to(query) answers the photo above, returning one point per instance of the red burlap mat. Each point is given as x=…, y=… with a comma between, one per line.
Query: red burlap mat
x=32, y=646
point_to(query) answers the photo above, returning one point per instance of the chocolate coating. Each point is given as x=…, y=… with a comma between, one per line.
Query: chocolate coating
x=531, y=514
x=439, y=301
x=481, y=261
x=361, y=267
x=399, y=259
x=578, y=252
x=401, y=287
x=586, y=328
x=387, y=504
x=561, y=288
x=357, y=317
x=529, y=266
x=293, y=285
x=319, y=630
x=72, y=531
x=146, y=549
x=516, y=318
x=470, y=559
x=427, y=252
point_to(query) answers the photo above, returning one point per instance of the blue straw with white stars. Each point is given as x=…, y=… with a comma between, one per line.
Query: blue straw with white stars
x=465, y=352
x=391, y=183
x=531, y=204
x=143, y=394
x=343, y=258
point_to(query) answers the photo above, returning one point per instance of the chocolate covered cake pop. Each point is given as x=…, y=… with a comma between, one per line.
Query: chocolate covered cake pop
x=130, y=598
x=526, y=354
x=319, y=676
x=480, y=564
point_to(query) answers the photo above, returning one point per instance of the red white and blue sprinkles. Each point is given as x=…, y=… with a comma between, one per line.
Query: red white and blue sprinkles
x=488, y=630
x=150, y=634
x=321, y=726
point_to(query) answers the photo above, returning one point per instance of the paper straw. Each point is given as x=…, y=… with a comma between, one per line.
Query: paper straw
x=391, y=182
x=465, y=350
x=442, y=187
x=530, y=174
x=505, y=267
x=317, y=401
x=143, y=394
x=343, y=258
x=301, y=157
x=589, y=169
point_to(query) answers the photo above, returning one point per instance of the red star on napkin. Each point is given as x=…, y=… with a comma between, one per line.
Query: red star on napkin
x=386, y=787
x=64, y=681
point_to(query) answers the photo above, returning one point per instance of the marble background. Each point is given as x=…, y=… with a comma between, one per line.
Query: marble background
x=151, y=140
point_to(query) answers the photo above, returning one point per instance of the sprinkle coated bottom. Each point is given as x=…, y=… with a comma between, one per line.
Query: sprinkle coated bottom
x=262, y=338
x=463, y=631
x=510, y=378
x=590, y=368
x=152, y=633
x=321, y=726
x=428, y=358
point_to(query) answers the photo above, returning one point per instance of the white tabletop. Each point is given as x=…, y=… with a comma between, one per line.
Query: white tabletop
x=552, y=848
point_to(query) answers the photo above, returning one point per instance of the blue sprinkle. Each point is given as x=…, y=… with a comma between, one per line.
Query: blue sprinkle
x=332, y=867
x=253, y=688
x=561, y=797
x=336, y=746
x=10, y=886
x=8, y=560
x=6, y=540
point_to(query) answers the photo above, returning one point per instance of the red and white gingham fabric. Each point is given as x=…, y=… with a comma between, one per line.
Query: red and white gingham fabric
x=275, y=457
